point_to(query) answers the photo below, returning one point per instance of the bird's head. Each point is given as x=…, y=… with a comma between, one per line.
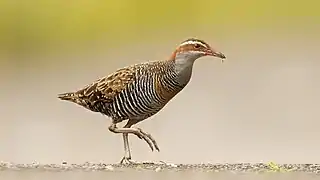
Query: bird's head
x=192, y=49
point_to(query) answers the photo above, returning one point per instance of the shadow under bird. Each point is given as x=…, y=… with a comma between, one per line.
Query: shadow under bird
x=139, y=91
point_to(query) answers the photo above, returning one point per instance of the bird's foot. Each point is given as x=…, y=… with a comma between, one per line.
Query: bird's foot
x=128, y=160
x=149, y=139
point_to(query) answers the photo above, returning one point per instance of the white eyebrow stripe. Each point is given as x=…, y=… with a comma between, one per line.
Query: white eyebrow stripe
x=193, y=42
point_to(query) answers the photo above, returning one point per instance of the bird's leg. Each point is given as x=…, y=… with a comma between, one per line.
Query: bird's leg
x=126, y=130
x=127, y=154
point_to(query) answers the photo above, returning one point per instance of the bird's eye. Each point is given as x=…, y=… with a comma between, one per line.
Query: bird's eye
x=197, y=46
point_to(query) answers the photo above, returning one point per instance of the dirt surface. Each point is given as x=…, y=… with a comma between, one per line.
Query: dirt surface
x=146, y=171
x=161, y=166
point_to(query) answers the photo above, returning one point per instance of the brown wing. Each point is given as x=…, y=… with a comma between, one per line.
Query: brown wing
x=105, y=89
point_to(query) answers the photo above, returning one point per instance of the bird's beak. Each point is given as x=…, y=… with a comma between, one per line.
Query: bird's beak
x=219, y=55
x=216, y=54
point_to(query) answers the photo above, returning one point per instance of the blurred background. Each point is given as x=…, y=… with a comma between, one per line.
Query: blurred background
x=261, y=105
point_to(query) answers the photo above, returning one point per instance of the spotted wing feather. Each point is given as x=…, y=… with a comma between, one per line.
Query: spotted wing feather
x=101, y=93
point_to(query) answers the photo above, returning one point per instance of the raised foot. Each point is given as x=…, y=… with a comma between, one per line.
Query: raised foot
x=148, y=138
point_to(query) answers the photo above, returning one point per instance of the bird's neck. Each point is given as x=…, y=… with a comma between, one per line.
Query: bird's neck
x=183, y=69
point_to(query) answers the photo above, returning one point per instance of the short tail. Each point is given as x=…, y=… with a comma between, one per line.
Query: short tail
x=74, y=97
x=67, y=96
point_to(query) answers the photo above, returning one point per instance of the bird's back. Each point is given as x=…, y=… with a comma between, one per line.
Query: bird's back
x=134, y=92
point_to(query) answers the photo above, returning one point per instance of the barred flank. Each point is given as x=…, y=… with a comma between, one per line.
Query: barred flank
x=134, y=92
x=148, y=94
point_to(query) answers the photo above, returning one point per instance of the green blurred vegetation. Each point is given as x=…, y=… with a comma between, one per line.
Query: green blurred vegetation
x=34, y=24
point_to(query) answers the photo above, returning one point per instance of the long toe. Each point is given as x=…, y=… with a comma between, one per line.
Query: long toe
x=153, y=141
x=145, y=138
x=150, y=138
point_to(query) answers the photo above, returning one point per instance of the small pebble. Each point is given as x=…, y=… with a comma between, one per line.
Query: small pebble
x=158, y=169
x=109, y=167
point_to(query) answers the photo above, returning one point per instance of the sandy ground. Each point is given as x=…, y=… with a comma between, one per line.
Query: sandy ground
x=149, y=175
x=147, y=170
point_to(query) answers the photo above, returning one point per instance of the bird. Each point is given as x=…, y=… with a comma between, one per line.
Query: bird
x=138, y=91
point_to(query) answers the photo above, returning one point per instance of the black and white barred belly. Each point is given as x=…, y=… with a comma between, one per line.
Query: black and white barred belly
x=141, y=99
